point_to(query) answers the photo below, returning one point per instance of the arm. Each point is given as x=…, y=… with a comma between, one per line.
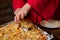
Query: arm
x=22, y=12
x=21, y=9
x=18, y=4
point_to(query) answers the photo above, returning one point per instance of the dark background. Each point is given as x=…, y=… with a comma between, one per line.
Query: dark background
x=6, y=11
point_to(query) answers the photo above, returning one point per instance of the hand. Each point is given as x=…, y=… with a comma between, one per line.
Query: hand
x=16, y=11
x=21, y=13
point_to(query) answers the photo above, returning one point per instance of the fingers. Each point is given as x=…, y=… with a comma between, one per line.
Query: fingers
x=22, y=16
x=18, y=17
x=15, y=19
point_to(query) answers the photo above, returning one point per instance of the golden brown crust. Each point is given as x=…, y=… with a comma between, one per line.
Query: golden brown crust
x=25, y=30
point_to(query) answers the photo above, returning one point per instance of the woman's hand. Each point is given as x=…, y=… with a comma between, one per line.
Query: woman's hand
x=20, y=13
x=16, y=11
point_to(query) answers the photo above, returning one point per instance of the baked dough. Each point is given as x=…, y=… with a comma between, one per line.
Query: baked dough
x=24, y=30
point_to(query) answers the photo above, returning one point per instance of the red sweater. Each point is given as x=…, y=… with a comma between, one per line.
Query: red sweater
x=41, y=9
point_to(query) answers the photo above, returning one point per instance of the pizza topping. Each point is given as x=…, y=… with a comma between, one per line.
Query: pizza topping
x=24, y=32
x=30, y=29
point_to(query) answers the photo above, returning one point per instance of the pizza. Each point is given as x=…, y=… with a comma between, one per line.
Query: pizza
x=24, y=30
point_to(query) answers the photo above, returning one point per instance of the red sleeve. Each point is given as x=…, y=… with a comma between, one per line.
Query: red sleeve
x=32, y=2
x=50, y=10
x=18, y=3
